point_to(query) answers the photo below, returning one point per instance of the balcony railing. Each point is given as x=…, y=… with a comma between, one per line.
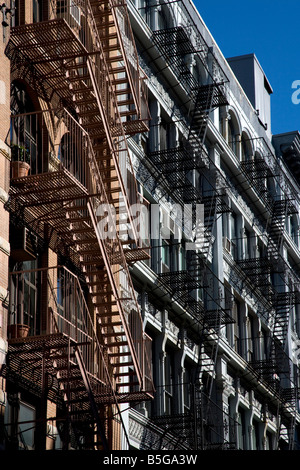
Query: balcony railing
x=66, y=147
x=52, y=301
x=33, y=140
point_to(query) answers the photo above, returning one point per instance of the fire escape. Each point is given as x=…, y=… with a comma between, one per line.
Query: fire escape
x=179, y=165
x=195, y=288
x=269, y=273
x=78, y=59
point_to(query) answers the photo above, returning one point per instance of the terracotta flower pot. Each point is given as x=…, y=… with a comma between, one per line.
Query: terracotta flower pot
x=18, y=331
x=19, y=169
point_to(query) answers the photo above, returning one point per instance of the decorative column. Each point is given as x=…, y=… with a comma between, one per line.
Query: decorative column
x=159, y=359
x=250, y=445
x=154, y=8
x=238, y=143
x=224, y=117
x=179, y=370
x=154, y=134
x=224, y=391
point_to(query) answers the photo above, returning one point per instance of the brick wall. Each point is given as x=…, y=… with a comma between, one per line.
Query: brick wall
x=4, y=216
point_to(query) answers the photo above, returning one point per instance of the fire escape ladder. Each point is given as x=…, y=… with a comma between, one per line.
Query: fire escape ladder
x=256, y=171
x=116, y=329
x=91, y=87
x=79, y=398
x=283, y=303
x=70, y=209
x=93, y=405
x=80, y=75
x=113, y=142
x=113, y=25
x=83, y=368
x=200, y=110
x=276, y=225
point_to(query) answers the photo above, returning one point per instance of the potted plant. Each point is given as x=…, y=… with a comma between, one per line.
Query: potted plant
x=20, y=161
x=18, y=330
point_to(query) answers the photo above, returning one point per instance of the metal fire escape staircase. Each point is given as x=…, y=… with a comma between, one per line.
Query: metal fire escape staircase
x=67, y=363
x=257, y=172
x=175, y=45
x=173, y=169
x=57, y=199
x=276, y=371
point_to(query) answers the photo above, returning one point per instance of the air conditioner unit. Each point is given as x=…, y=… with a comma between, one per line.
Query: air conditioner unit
x=24, y=245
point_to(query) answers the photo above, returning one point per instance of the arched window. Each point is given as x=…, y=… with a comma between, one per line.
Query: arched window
x=246, y=148
x=271, y=185
x=233, y=132
x=231, y=136
x=164, y=17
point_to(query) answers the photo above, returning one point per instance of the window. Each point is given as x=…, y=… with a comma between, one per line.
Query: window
x=250, y=339
x=27, y=425
x=241, y=430
x=74, y=12
x=166, y=135
x=233, y=234
x=165, y=256
x=169, y=382
x=247, y=244
x=236, y=327
x=24, y=127
x=37, y=11
x=144, y=10
x=297, y=318
x=271, y=186
x=71, y=153
x=16, y=18
x=264, y=345
x=164, y=17
x=30, y=295
x=69, y=10
x=187, y=392
x=20, y=420
x=255, y=436
x=24, y=296
x=232, y=136
x=60, y=297
x=269, y=444
x=246, y=149
x=293, y=229
x=181, y=257
x=230, y=231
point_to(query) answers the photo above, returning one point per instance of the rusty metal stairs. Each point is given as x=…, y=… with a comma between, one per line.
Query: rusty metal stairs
x=52, y=365
x=81, y=397
x=112, y=24
x=103, y=262
x=102, y=270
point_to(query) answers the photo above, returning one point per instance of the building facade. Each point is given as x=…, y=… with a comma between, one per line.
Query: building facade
x=150, y=251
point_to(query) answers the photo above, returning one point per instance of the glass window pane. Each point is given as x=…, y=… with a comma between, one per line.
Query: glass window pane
x=27, y=425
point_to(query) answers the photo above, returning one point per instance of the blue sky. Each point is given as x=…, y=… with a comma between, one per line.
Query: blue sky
x=271, y=30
